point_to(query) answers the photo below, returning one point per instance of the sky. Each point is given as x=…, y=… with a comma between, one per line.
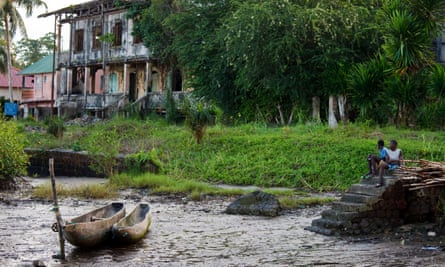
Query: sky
x=38, y=27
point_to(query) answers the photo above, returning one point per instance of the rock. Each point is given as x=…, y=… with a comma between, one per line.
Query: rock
x=38, y=263
x=257, y=203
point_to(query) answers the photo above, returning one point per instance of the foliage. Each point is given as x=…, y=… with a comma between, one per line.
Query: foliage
x=265, y=60
x=107, y=38
x=29, y=51
x=55, y=126
x=199, y=114
x=300, y=156
x=159, y=184
x=367, y=80
x=13, y=159
x=104, y=149
x=171, y=112
x=162, y=184
x=140, y=162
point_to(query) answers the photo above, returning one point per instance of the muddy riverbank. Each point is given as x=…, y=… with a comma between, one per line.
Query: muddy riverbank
x=185, y=233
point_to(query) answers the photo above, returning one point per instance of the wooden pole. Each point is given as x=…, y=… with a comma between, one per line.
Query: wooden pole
x=56, y=210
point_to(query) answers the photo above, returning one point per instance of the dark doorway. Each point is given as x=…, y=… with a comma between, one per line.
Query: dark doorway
x=177, y=80
x=133, y=91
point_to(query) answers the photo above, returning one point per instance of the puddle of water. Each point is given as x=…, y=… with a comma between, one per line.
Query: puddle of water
x=199, y=234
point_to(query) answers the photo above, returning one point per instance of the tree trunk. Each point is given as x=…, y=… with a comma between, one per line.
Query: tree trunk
x=316, y=108
x=8, y=57
x=342, y=108
x=332, y=107
x=281, y=115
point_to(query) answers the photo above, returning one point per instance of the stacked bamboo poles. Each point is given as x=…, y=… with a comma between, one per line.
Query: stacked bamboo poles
x=423, y=174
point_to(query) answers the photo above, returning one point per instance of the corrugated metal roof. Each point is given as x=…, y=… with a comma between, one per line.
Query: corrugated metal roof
x=45, y=65
x=16, y=79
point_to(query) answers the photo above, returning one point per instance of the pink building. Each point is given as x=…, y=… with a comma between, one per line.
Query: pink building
x=36, y=100
x=18, y=85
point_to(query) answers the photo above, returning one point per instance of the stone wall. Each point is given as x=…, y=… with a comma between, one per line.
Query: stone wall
x=71, y=163
x=364, y=209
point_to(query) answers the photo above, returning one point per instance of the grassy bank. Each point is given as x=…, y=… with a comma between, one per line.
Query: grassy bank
x=161, y=184
x=304, y=156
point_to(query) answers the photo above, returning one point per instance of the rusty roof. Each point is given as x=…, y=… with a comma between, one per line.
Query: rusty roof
x=93, y=7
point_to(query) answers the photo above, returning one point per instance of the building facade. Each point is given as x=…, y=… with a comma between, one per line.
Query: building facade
x=106, y=67
x=38, y=100
x=18, y=85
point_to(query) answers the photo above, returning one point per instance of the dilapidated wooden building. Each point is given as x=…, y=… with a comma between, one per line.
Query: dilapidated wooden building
x=106, y=67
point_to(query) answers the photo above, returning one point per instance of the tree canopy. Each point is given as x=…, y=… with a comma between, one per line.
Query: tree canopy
x=267, y=59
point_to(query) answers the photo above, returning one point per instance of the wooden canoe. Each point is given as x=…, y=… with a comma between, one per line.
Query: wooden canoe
x=93, y=228
x=134, y=226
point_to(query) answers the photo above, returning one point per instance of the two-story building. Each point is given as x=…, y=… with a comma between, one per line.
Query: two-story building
x=105, y=66
x=37, y=100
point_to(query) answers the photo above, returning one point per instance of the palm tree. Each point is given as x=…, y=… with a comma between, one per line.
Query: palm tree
x=408, y=30
x=12, y=21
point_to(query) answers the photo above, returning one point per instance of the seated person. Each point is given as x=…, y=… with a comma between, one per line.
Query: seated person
x=373, y=160
x=394, y=157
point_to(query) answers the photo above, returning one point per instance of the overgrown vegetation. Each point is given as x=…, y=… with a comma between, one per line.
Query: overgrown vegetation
x=166, y=184
x=280, y=61
x=13, y=159
x=55, y=126
x=199, y=114
x=308, y=156
x=95, y=191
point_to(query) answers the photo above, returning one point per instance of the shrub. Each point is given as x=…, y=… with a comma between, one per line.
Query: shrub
x=13, y=159
x=103, y=146
x=144, y=162
x=56, y=127
x=199, y=114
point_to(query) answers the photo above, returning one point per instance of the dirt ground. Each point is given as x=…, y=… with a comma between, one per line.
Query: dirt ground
x=186, y=233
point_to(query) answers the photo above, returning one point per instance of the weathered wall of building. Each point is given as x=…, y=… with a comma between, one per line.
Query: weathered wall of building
x=90, y=54
x=16, y=93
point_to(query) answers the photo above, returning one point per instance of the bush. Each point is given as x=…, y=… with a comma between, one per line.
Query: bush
x=104, y=149
x=13, y=159
x=199, y=114
x=144, y=162
x=56, y=127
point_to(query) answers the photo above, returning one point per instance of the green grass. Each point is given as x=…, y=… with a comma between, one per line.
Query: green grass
x=302, y=202
x=163, y=184
x=98, y=191
x=308, y=157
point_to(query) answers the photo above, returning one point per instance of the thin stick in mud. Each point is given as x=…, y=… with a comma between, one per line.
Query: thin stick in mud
x=56, y=210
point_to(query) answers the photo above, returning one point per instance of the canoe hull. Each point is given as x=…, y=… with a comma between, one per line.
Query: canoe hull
x=85, y=231
x=134, y=227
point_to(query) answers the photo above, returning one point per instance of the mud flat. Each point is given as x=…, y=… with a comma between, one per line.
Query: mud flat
x=198, y=234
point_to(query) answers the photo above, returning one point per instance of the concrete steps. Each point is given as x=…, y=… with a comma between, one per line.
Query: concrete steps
x=360, y=210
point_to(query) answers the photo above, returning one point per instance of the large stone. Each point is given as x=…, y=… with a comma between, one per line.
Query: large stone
x=256, y=203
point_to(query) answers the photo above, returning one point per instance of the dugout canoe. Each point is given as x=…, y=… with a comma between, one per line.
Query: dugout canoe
x=134, y=226
x=93, y=228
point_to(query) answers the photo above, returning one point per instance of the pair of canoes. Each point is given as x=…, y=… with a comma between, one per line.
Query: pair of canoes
x=108, y=223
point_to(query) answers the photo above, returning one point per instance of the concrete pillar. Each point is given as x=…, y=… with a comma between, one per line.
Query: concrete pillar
x=125, y=79
x=147, y=76
x=69, y=81
x=86, y=81
x=25, y=111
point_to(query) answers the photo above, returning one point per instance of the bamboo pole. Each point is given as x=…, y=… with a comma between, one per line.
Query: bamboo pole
x=56, y=210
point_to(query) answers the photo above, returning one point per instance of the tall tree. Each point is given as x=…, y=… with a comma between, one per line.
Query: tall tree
x=29, y=51
x=409, y=27
x=12, y=21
